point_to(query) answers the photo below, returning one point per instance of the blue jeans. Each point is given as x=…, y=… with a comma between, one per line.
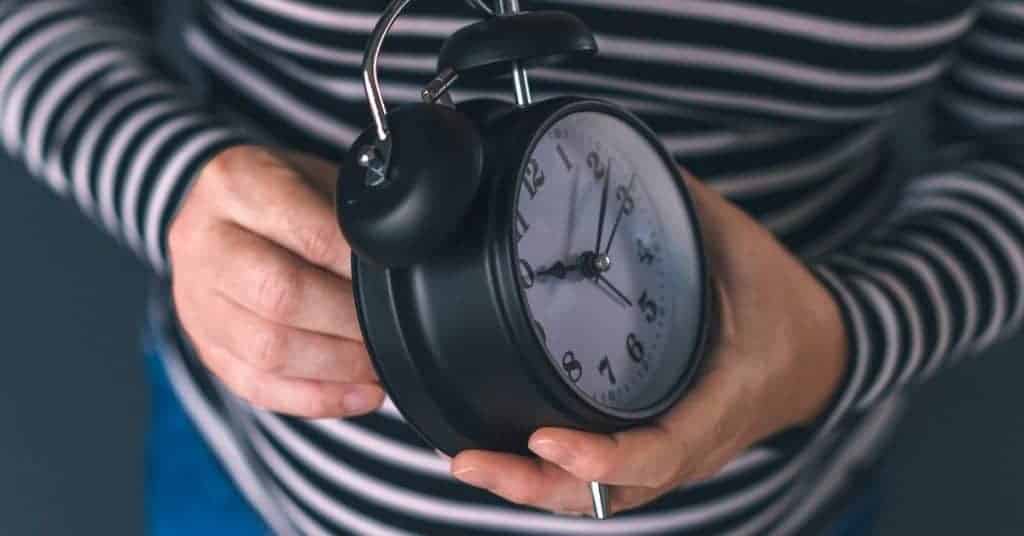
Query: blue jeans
x=187, y=490
x=189, y=493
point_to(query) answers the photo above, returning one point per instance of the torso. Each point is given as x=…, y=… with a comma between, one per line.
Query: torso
x=781, y=105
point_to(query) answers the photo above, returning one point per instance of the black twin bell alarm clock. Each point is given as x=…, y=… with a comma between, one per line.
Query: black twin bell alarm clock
x=520, y=264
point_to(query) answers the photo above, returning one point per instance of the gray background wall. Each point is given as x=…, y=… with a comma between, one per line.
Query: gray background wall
x=73, y=401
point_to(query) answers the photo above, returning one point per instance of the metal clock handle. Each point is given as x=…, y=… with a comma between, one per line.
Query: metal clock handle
x=371, y=79
x=520, y=79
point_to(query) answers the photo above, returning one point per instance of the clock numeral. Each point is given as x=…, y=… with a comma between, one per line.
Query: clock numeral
x=561, y=133
x=522, y=226
x=565, y=157
x=635, y=347
x=645, y=253
x=622, y=194
x=605, y=368
x=572, y=366
x=526, y=272
x=533, y=177
x=649, y=307
x=599, y=168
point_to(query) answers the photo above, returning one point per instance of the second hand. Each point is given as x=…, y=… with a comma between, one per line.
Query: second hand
x=602, y=279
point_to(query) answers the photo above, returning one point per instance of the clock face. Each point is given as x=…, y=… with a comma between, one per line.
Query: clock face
x=609, y=262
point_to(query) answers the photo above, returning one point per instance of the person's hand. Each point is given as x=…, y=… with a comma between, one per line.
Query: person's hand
x=777, y=356
x=261, y=282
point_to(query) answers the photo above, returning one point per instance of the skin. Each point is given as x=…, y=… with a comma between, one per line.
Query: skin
x=262, y=286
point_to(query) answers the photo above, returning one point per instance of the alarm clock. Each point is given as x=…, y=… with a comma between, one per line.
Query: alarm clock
x=520, y=264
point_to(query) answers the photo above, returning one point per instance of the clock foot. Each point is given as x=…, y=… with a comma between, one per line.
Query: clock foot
x=599, y=493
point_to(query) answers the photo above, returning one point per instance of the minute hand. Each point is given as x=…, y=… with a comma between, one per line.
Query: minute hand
x=604, y=205
x=625, y=200
x=615, y=228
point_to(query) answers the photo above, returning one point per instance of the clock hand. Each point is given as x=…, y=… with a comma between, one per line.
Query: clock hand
x=615, y=228
x=602, y=279
x=559, y=270
x=625, y=201
x=604, y=205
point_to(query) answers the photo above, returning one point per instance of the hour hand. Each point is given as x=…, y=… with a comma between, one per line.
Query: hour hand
x=559, y=270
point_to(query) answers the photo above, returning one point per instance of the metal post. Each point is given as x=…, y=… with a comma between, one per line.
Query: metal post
x=599, y=494
x=598, y=491
x=520, y=79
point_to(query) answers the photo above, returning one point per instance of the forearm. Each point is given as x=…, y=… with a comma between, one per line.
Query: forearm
x=942, y=277
x=940, y=282
x=86, y=107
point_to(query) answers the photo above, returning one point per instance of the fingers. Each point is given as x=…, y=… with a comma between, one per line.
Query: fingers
x=260, y=274
x=536, y=483
x=699, y=436
x=273, y=198
x=640, y=457
x=278, y=286
x=298, y=397
x=281, y=350
x=310, y=398
x=522, y=480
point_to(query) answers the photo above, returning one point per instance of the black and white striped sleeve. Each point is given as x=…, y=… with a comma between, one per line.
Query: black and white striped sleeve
x=86, y=107
x=943, y=277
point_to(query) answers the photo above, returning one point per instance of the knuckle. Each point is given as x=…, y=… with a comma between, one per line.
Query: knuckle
x=319, y=244
x=221, y=167
x=278, y=177
x=278, y=291
x=269, y=354
x=230, y=171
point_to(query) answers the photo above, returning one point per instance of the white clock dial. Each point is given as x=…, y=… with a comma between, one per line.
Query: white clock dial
x=603, y=241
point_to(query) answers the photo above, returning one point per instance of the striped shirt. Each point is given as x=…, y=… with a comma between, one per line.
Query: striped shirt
x=784, y=106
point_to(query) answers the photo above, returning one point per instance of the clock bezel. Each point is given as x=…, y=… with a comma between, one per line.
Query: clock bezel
x=452, y=339
x=542, y=118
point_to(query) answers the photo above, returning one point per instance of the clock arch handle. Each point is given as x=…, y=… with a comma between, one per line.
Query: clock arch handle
x=371, y=78
x=371, y=58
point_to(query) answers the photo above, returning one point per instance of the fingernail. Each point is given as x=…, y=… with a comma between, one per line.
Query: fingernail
x=474, y=477
x=552, y=451
x=359, y=401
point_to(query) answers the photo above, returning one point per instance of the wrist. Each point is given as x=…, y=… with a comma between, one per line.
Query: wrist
x=821, y=361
